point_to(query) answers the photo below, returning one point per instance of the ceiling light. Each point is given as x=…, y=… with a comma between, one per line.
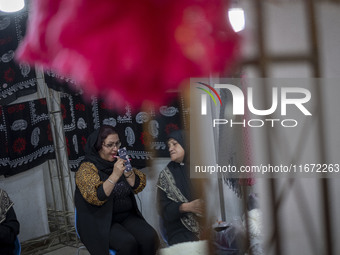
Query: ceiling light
x=237, y=19
x=11, y=5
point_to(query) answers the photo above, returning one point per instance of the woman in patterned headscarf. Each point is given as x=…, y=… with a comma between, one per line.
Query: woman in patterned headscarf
x=9, y=225
x=177, y=205
x=108, y=216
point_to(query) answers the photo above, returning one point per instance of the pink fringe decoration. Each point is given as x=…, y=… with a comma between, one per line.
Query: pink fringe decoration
x=131, y=50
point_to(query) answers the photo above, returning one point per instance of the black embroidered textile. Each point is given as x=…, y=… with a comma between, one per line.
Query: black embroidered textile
x=59, y=83
x=139, y=132
x=26, y=137
x=232, y=148
x=78, y=125
x=15, y=80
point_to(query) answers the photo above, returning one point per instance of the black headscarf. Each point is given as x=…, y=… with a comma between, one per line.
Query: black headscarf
x=179, y=136
x=180, y=171
x=92, y=155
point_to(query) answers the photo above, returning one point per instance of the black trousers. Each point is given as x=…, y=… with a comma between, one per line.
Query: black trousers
x=133, y=236
x=182, y=237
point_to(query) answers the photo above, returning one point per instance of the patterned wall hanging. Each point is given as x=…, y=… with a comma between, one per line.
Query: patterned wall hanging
x=234, y=147
x=15, y=80
x=26, y=137
x=59, y=83
x=143, y=133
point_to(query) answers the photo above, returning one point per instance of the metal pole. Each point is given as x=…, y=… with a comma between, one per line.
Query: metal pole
x=314, y=51
x=263, y=61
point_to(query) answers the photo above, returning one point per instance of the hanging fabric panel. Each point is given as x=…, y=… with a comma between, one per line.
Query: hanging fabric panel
x=60, y=83
x=15, y=80
x=26, y=136
x=142, y=133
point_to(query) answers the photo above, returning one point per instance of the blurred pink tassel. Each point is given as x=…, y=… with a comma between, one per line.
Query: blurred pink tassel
x=132, y=50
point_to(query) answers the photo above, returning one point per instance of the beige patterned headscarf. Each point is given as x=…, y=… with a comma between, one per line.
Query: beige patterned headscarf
x=166, y=182
x=5, y=204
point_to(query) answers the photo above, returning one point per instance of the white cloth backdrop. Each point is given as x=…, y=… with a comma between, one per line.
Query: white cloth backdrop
x=27, y=191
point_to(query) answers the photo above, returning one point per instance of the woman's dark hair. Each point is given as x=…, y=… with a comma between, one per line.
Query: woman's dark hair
x=104, y=132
